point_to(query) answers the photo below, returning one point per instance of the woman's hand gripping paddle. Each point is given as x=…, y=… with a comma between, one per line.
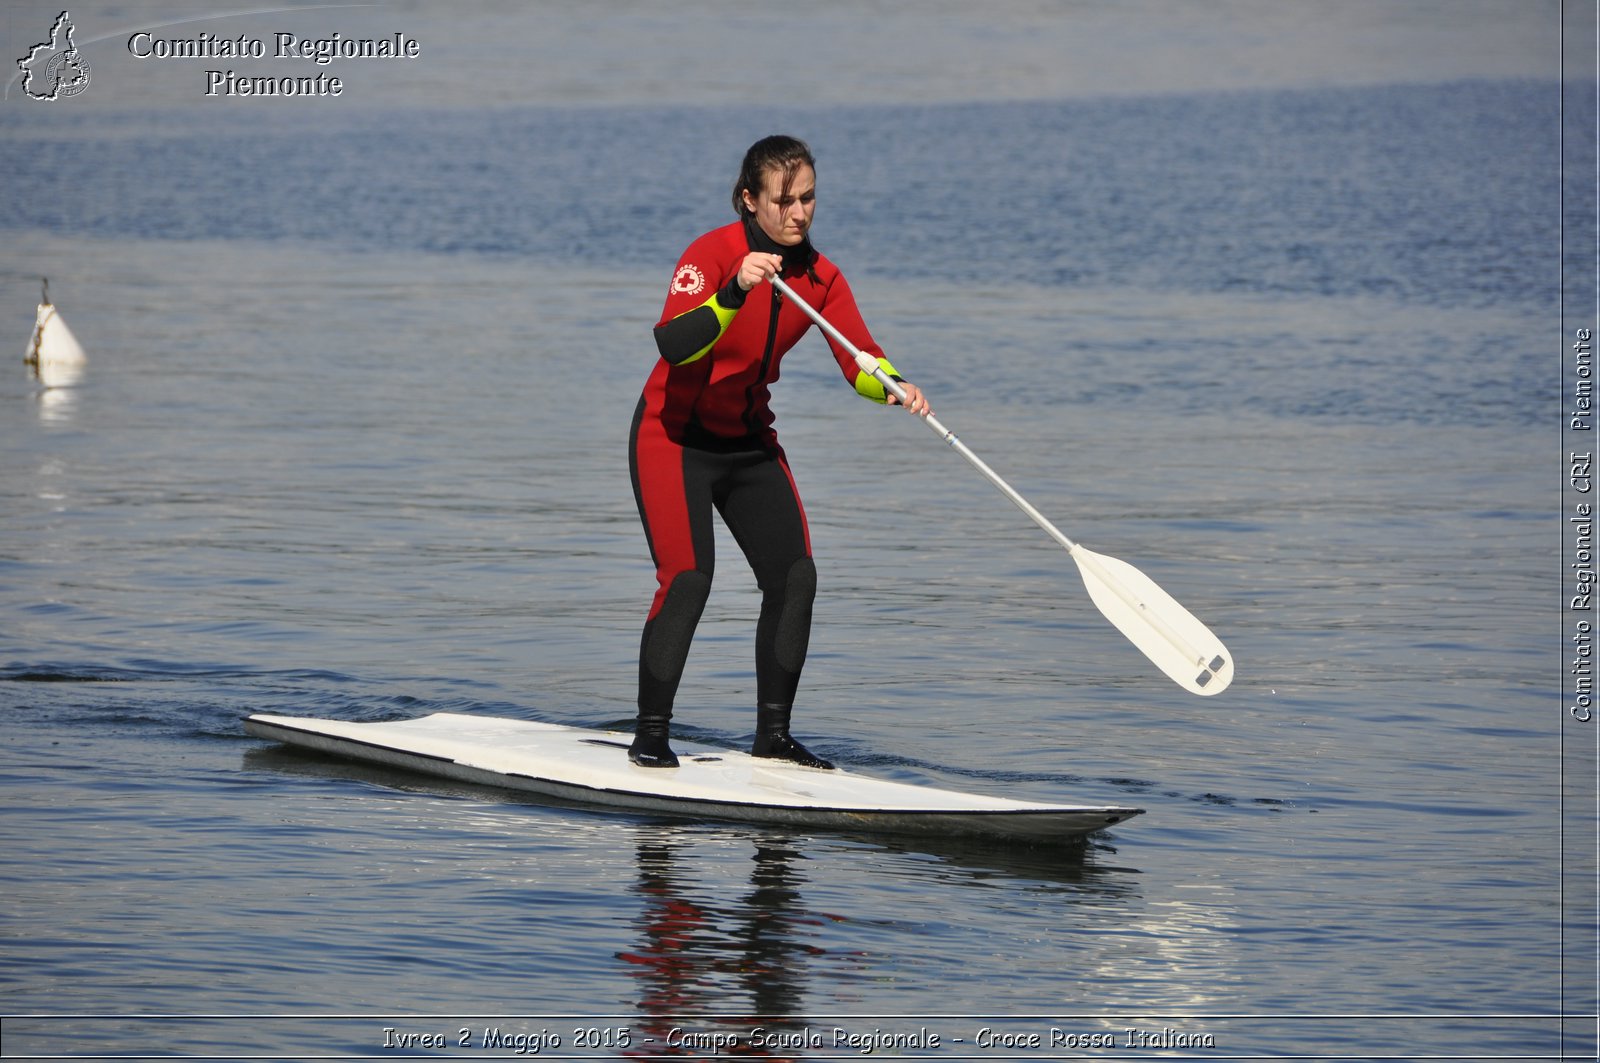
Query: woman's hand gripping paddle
x=1164, y=631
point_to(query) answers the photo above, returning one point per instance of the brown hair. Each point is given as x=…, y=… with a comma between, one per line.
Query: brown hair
x=781, y=153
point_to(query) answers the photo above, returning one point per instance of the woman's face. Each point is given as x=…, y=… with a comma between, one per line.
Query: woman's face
x=785, y=215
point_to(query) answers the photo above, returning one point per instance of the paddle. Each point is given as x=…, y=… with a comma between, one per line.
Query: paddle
x=1164, y=631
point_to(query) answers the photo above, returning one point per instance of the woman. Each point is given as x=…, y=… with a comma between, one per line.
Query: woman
x=702, y=438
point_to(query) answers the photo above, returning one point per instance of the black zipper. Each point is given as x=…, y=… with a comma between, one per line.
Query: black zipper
x=766, y=365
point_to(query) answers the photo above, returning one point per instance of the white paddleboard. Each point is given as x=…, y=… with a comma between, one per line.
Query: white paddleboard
x=592, y=767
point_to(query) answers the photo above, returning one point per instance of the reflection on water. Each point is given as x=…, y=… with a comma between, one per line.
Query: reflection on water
x=58, y=400
x=759, y=970
x=696, y=955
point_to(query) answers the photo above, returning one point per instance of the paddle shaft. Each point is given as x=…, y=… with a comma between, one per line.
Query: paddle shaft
x=1087, y=562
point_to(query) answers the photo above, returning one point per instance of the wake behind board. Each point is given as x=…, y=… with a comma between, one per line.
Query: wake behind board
x=592, y=767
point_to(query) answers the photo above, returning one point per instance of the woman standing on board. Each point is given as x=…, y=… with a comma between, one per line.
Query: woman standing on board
x=702, y=437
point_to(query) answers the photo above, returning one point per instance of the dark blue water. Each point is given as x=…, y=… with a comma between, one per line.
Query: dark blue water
x=350, y=444
x=1441, y=195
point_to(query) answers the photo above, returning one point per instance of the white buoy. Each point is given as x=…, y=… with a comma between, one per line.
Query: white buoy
x=54, y=353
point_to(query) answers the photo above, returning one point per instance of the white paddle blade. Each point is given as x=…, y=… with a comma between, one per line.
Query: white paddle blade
x=1164, y=631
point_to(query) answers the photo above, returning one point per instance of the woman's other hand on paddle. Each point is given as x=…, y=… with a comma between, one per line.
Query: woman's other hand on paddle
x=916, y=402
x=757, y=267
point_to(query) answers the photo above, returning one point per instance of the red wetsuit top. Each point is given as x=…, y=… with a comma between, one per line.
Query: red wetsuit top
x=720, y=346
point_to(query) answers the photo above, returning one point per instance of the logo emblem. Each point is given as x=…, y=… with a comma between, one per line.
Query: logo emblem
x=55, y=69
x=689, y=281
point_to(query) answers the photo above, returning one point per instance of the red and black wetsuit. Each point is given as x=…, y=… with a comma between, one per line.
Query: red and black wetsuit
x=702, y=438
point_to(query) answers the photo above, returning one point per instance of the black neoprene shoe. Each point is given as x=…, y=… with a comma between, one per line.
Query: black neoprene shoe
x=786, y=747
x=650, y=748
x=652, y=754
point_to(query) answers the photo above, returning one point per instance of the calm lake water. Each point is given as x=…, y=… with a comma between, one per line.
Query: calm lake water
x=351, y=442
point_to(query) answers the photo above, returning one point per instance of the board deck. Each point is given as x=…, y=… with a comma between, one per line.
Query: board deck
x=592, y=767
